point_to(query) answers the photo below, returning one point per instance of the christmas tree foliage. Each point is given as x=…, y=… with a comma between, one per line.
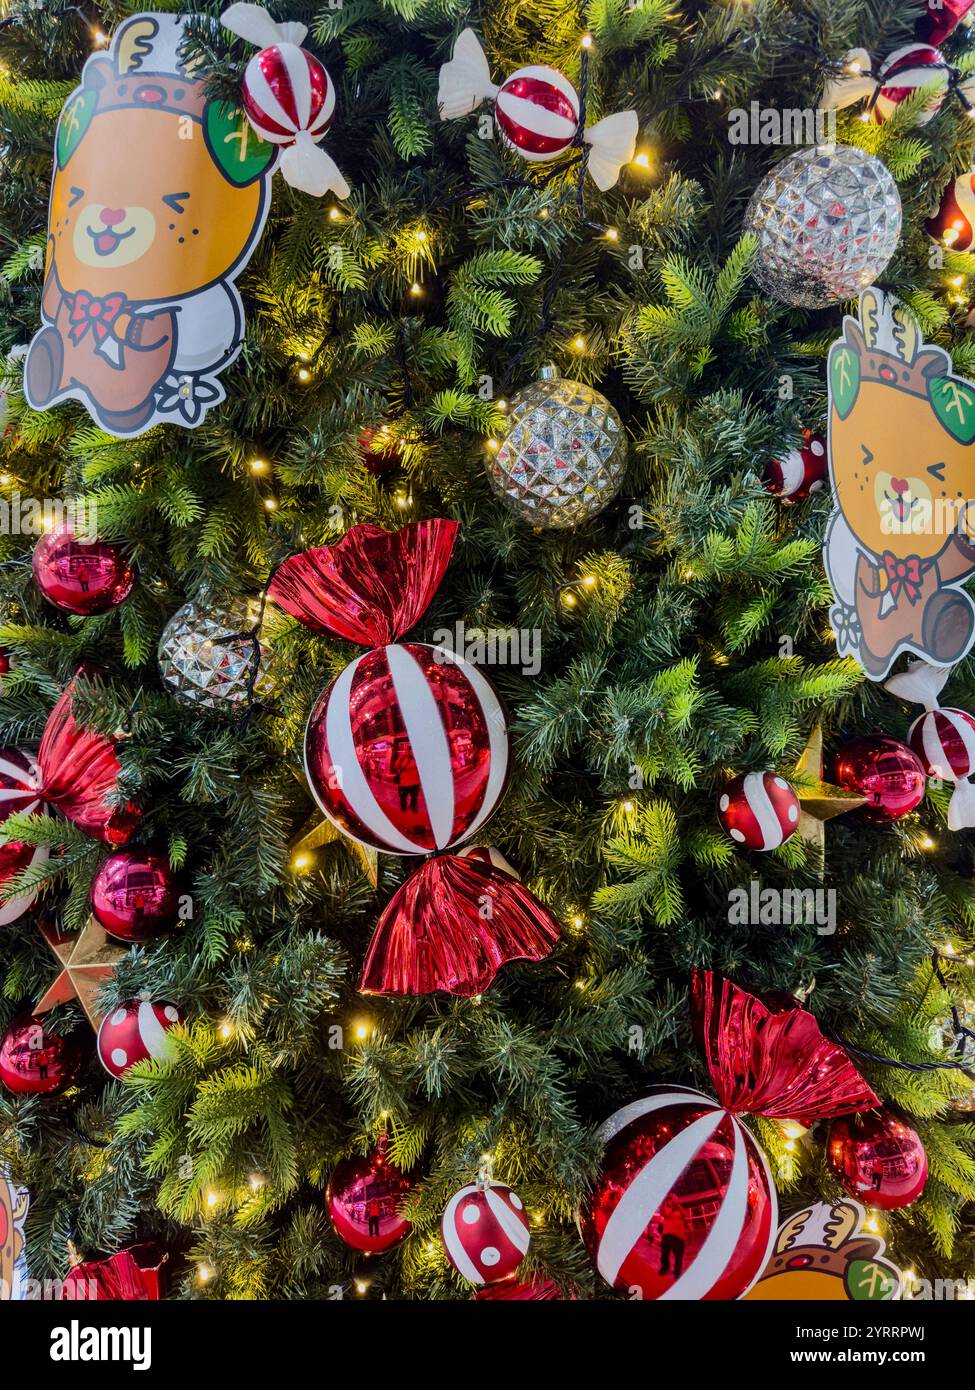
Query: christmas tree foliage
x=674, y=641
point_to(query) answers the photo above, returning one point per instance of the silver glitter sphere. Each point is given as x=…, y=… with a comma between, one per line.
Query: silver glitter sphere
x=197, y=662
x=827, y=219
x=564, y=455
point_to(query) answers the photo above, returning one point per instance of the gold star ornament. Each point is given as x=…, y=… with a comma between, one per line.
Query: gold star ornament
x=819, y=801
x=88, y=960
x=318, y=832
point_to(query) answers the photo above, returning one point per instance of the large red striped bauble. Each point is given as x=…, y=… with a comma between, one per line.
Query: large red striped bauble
x=19, y=783
x=907, y=69
x=485, y=1232
x=286, y=90
x=537, y=112
x=133, y=1031
x=759, y=810
x=407, y=750
x=944, y=740
x=684, y=1206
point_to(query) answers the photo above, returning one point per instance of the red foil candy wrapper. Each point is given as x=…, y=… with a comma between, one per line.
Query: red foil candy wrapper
x=685, y=1205
x=536, y=1290
x=878, y=1159
x=81, y=576
x=362, y=1199
x=407, y=752
x=129, y=1276
x=451, y=927
x=79, y=774
x=940, y=18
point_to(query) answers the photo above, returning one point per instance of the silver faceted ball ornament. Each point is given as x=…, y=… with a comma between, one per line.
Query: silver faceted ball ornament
x=206, y=657
x=564, y=454
x=828, y=219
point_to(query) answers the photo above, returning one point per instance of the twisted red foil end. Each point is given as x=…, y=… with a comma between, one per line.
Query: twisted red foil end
x=437, y=935
x=79, y=774
x=776, y=1064
x=372, y=585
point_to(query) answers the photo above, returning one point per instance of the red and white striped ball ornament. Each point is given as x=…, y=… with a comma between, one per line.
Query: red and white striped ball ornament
x=684, y=1206
x=485, y=1232
x=20, y=780
x=759, y=810
x=904, y=73
x=942, y=738
x=536, y=111
x=135, y=1030
x=801, y=471
x=954, y=222
x=289, y=98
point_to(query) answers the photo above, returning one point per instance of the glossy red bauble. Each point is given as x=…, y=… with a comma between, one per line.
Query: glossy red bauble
x=684, y=1206
x=81, y=576
x=759, y=810
x=485, y=1232
x=363, y=1198
x=37, y=1062
x=134, y=895
x=886, y=772
x=134, y=1031
x=878, y=1158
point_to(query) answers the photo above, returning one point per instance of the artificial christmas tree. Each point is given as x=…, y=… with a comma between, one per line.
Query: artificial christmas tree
x=214, y=353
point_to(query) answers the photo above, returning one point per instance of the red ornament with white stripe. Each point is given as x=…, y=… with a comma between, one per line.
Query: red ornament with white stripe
x=905, y=71
x=685, y=1206
x=954, y=222
x=407, y=750
x=19, y=783
x=537, y=112
x=133, y=1031
x=759, y=810
x=944, y=740
x=801, y=472
x=485, y=1232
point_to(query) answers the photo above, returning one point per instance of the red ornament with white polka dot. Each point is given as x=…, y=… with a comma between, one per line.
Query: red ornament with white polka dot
x=137, y=1029
x=801, y=471
x=904, y=73
x=485, y=1232
x=759, y=810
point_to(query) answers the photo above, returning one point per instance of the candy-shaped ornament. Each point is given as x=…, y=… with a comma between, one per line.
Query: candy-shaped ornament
x=943, y=739
x=485, y=1232
x=289, y=98
x=908, y=70
x=801, y=471
x=954, y=222
x=536, y=111
x=759, y=810
x=19, y=795
x=685, y=1206
x=407, y=752
x=137, y=1029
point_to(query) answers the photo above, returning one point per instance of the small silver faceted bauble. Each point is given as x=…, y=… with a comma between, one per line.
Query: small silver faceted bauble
x=564, y=454
x=200, y=665
x=828, y=219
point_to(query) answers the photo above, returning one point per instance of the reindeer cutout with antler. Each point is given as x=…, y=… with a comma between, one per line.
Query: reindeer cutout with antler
x=822, y=1253
x=14, y=1202
x=902, y=466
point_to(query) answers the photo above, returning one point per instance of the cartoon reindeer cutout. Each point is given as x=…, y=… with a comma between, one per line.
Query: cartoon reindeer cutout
x=822, y=1254
x=158, y=198
x=902, y=468
x=14, y=1202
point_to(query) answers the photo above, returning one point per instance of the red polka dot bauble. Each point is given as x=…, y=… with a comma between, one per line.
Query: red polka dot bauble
x=485, y=1232
x=19, y=782
x=286, y=90
x=36, y=1061
x=886, y=772
x=133, y=1031
x=954, y=222
x=81, y=576
x=684, y=1206
x=134, y=894
x=363, y=1200
x=801, y=471
x=878, y=1158
x=407, y=750
x=759, y=810
x=905, y=71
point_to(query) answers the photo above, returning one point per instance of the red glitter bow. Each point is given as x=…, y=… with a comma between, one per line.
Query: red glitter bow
x=904, y=574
